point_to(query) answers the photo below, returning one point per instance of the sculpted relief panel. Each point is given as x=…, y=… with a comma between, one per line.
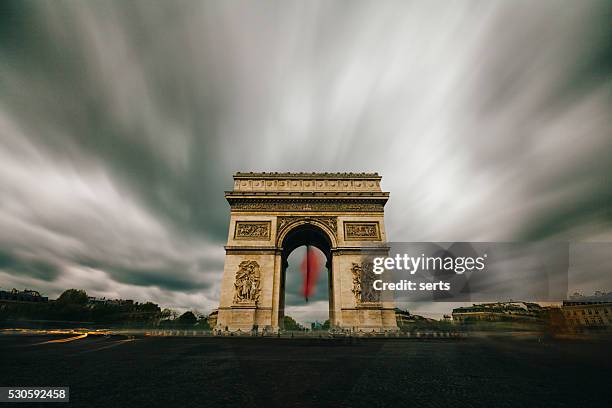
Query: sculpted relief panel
x=363, y=279
x=247, y=286
x=254, y=230
x=360, y=231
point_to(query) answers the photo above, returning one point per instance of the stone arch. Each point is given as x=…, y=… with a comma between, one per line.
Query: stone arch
x=306, y=231
x=328, y=226
x=273, y=213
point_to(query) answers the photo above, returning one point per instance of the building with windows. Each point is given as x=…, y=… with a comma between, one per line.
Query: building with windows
x=26, y=295
x=405, y=319
x=588, y=312
x=92, y=300
x=498, y=311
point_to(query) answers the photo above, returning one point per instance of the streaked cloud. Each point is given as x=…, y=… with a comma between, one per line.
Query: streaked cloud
x=121, y=124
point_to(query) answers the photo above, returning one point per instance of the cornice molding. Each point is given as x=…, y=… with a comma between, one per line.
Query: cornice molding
x=366, y=204
x=306, y=176
x=307, y=194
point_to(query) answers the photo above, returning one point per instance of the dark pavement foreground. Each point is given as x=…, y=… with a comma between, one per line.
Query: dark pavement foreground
x=261, y=372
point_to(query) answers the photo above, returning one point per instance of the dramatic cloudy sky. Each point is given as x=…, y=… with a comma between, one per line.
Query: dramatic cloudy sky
x=122, y=122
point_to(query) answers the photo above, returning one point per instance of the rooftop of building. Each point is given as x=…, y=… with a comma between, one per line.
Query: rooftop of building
x=305, y=175
x=14, y=291
x=498, y=306
x=598, y=296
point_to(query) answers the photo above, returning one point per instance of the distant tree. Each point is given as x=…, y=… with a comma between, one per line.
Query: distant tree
x=199, y=315
x=150, y=307
x=203, y=324
x=291, y=324
x=187, y=318
x=73, y=297
x=168, y=314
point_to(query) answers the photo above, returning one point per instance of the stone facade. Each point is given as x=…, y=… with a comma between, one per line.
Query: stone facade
x=343, y=213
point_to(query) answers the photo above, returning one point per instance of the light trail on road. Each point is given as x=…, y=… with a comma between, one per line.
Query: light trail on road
x=65, y=340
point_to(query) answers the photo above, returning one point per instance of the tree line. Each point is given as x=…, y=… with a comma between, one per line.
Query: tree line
x=73, y=305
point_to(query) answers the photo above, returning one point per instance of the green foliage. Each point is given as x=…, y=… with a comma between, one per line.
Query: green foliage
x=150, y=307
x=291, y=324
x=187, y=319
x=203, y=324
x=74, y=306
x=167, y=314
x=73, y=297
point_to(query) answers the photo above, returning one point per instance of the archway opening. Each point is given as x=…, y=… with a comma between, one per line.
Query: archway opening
x=318, y=307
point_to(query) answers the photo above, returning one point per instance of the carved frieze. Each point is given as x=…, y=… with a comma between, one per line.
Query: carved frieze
x=252, y=230
x=307, y=182
x=247, y=285
x=361, y=231
x=363, y=280
x=307, y=205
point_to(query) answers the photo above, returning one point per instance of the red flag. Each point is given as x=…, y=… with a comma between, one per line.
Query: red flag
x=310, y=271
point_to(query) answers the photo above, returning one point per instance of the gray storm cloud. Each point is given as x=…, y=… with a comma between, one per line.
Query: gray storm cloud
x=122, y=122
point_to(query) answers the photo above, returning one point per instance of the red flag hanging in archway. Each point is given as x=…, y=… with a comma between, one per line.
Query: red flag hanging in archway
x=310, y=272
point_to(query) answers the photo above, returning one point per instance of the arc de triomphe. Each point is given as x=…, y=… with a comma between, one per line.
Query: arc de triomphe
x=342, y=214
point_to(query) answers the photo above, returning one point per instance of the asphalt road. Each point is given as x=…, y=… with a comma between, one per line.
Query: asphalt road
x=118, y=372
